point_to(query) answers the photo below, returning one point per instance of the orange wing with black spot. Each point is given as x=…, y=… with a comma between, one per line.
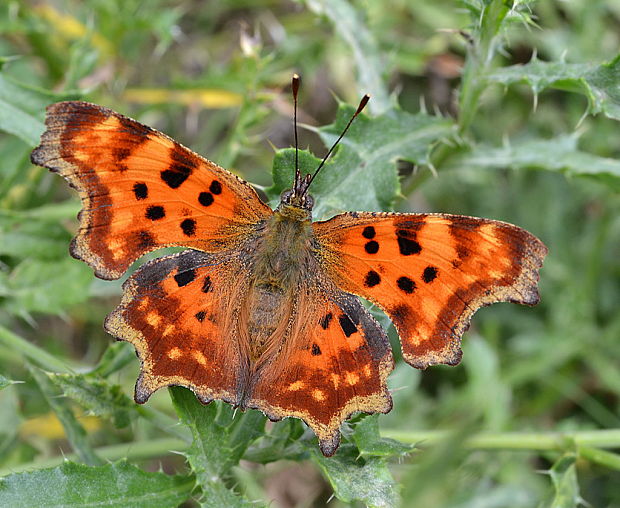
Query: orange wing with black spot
x=180, y=313
x=141, y=190
x=430, y=273
x=335, y=363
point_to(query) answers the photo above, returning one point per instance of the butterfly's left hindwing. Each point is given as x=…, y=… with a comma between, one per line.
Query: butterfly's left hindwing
x=430, y=273
x=180, y=312
x=141, y=190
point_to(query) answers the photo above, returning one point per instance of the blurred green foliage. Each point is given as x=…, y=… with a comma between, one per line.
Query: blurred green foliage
x=498, y=108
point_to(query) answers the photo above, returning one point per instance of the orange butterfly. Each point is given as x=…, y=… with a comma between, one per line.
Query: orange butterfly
x=260, y=311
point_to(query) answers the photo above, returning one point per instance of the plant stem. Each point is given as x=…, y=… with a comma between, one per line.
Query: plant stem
x=602, y=457
x=41, y=357
x=532, y=441
x=479, y=57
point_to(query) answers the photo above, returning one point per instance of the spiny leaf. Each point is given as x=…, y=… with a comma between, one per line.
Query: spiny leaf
x=4, y=382
x=75, y=485
x=212, y=452
x=367, y=480
x=362, y=175
x=564, y=477
x=97, y=396
x=558, y=154
x=115, y=357
x=370, y=443
x=600, y=83
x=74, y=431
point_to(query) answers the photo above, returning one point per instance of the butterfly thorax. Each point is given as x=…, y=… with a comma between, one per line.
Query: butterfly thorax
x=282, y=255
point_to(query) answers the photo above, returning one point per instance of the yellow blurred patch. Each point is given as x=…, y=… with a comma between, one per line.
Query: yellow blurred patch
x=49, y=427
x=71, y=28
x=208, y=97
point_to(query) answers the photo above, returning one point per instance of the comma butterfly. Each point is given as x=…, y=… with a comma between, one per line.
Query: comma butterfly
x=261, y=311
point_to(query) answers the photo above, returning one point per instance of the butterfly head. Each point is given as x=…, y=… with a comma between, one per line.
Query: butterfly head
x=298, y=196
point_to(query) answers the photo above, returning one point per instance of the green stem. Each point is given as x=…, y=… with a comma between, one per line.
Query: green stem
x=533, y=441
x=589, y=443
x=479, y=58
x=34, y=353
x=602, y=457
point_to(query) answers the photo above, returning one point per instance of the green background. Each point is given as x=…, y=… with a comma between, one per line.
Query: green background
x=502, y=109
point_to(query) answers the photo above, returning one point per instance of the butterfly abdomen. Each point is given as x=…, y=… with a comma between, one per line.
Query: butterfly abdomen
x=281, y=255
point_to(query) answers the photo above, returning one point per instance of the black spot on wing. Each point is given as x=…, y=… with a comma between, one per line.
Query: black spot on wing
x=429, y=274
x=200, y=316
x=325, y=320
x=406, y=285
x=155, y=212
x=215, y=187
x=407, y=246
x=175, y=175
x=316, y=350
x=348, y=327
x=140, y=190
x=205, y=198
x=184, y=278
x=372, y=279
x=371, y=247
x=369, y=232
x=189, y=227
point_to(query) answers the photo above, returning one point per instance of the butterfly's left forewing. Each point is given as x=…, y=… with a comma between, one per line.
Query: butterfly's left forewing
x=431, y=272
x=140, y=189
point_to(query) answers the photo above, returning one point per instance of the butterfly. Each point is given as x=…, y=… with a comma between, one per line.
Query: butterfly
x=262, y=309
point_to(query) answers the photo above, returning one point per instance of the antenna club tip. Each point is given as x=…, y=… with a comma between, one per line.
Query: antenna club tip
x=295, y=83
x=363, y=103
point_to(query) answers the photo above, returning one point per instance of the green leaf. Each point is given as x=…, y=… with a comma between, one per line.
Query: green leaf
x=97, y=396
x=283, y=171
x=73, y=430
x=369, y=441
x=46, y=286
x=564, y=477
x=353, y=478
x=74, y=485
x=362, y=175
x=115, y=357
x=19, y=123
x=370, y=64
x=21, y=104
x=559, y=154
x=215, y=447
x=24, y=238
x=600, y=83
x=4, y=382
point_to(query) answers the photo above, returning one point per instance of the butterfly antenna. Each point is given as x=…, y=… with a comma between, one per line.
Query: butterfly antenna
x=295, y=86
x=361, y=106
